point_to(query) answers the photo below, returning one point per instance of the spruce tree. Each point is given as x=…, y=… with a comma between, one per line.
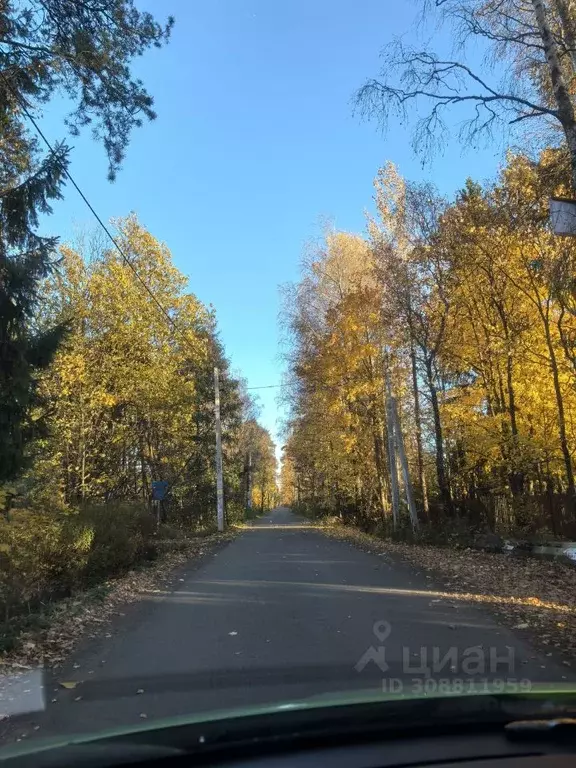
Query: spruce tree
x=83, y=51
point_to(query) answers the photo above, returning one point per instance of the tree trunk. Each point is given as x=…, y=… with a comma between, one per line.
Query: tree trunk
x=561, y=93
x=392, y=462
x=381, y=473
x=262, y=493
x=82, y=451
x=566, y=16
x=439, y=441
x=417, y=419
x=561, y=413
x=516, y=475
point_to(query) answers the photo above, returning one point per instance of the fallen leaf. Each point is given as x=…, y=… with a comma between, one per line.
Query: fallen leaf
x=69, y=685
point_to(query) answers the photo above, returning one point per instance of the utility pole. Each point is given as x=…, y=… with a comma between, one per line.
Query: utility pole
x=396, y=444
x=249, y=481
x=219, y=472
x=404, y=464
x=392, y=465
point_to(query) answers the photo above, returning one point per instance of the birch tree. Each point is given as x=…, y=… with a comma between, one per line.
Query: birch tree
x=528, y=77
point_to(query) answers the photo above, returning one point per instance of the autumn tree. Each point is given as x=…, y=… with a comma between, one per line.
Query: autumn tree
x=263, y=467
x=83, y=51
x=469, y=308
x=530, y=79
x=336, y=353
x=288, y=479
x=130, y=395
x=415, y=280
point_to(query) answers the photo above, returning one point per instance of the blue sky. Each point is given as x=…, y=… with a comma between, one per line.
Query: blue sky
x=254, y=144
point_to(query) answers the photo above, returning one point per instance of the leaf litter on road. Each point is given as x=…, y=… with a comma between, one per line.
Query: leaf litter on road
x=526, y=593
x=91, y=611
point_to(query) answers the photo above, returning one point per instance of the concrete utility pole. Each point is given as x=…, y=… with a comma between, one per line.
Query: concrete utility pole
x=219, y=472
x=404, y=465
x=249, y=481
x=392, y=464
x=396, y=448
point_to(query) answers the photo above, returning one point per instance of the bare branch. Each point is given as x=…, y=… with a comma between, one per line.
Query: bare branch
x=442, y=84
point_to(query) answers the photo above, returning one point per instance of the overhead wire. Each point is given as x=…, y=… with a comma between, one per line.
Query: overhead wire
x=172, y=323
x=92, y=210
x=109, y=234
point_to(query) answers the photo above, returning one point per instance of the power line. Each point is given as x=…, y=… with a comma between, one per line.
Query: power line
x=327, y=387
x=94, y=213
x=269, y=386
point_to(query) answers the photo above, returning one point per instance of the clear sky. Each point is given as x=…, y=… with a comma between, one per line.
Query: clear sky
x=254, y=144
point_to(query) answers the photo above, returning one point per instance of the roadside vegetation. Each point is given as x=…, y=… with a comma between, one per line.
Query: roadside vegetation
x=106, y=357
x=451, y=322
x=125, y=401
x=467, y=307
x=533, y=596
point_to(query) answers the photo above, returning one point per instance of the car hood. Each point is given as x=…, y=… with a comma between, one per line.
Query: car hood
x=331, y=710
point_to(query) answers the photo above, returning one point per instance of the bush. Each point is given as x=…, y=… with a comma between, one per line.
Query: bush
x=123, y=535
x=40, y=554
x=47, y=555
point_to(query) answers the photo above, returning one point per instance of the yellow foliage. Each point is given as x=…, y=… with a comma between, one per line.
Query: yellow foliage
x=472, y=302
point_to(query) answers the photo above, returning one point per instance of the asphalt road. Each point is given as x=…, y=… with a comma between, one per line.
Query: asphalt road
x=281, y=613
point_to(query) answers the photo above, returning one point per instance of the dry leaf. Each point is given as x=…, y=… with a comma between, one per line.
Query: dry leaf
x=69, y=685
x=525, y=593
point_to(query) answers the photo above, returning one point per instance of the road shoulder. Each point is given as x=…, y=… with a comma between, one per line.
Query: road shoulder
x=536, y=598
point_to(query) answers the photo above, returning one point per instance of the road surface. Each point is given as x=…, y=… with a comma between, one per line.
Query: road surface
x=283, y=612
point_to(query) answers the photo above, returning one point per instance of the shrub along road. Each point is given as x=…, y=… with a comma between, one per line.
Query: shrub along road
x=282, y=612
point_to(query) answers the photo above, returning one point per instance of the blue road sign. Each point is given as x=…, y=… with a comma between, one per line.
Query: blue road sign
x=159, y=490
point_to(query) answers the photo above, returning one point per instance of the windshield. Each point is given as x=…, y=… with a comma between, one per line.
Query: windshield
x=287, y=355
